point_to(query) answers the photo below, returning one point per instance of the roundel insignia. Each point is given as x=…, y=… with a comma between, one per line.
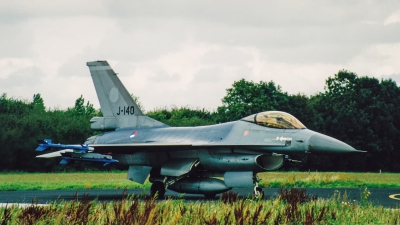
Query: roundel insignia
x=114, y=95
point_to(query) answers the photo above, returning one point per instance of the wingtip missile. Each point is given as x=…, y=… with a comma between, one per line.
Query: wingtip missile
x=47, y=143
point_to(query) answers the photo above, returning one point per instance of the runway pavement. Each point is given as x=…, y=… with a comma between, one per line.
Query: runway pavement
x=387, y=197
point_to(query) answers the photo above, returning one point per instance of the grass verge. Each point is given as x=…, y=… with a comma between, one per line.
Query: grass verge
x=67, y=181
x=117, y=180
x=329, y=180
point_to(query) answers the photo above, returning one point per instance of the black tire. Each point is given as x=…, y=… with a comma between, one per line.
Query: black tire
x=157, y=188
x=210, y=195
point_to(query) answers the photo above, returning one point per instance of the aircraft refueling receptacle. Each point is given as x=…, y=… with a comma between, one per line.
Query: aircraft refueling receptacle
x=186, y=159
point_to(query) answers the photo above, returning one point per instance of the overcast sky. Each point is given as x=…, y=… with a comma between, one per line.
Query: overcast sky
x=187, y=53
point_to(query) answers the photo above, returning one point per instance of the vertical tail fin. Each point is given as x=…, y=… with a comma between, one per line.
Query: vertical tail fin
x=113, y=96
x=118, y=107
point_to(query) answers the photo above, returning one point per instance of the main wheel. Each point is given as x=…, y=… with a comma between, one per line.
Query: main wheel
x=258, y=193
x=157, y=188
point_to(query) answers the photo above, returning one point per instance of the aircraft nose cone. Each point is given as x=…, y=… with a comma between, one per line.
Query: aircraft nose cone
x=319, y=143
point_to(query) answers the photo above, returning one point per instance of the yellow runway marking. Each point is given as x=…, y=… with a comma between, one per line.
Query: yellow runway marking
x=395, y=197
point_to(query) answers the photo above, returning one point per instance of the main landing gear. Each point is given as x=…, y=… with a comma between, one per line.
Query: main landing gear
x=157, y=189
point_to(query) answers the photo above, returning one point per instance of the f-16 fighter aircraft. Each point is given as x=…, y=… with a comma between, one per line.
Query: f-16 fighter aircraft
x=188, y=159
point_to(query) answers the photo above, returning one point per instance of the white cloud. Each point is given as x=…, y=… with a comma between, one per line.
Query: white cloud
x=394, y=18
x=188, y=53
x=377, y=60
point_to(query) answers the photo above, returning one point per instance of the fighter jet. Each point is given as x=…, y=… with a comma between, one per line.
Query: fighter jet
x=188, y=159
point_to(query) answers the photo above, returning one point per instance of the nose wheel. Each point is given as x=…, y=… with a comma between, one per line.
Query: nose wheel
x=157, y=188
x=258, y=192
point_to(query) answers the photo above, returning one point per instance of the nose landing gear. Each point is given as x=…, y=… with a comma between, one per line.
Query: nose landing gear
x=258, y=192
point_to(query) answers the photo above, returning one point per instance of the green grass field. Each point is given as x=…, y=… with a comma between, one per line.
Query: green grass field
x=117, y=180
x=64, y=181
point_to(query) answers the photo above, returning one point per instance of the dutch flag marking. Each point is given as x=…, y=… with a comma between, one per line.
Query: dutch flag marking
x=133, y=134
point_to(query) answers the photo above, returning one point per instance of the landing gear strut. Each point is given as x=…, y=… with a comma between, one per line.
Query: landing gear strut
x=157, y=188
x=258, y=192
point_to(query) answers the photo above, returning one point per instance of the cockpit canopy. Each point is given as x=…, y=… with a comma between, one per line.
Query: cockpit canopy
x=275, y=119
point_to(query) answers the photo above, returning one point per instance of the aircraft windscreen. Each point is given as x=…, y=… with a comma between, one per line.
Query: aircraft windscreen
x=275, y=119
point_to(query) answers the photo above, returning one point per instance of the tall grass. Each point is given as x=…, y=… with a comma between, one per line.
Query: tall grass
x=293, y=206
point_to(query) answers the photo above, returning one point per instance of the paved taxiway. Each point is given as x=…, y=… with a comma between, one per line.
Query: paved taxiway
x=387, y=197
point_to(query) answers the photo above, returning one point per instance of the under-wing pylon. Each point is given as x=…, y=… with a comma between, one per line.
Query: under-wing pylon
x=187, y=159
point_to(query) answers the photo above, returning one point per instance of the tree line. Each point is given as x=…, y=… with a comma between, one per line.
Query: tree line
x=361, y=111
